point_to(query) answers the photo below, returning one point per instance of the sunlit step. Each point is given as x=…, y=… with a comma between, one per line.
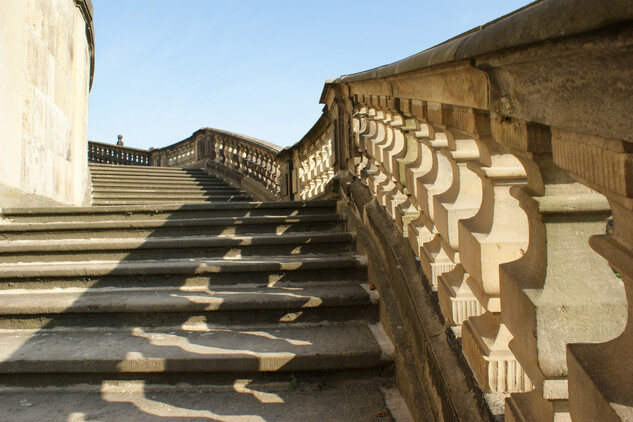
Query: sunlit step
x=197, y=349
x=339, y=302
x=168, y=211
x=157, y=228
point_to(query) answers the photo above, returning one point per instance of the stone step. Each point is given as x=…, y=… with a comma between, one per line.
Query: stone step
x=160, y=182
x=142, y=169
x=316, y=398
x=176, y=307
x=194, y=349
x=169, y=211
x=256, y=271
x=167, y=193
x=124, y=175
x=116, y=167
x=167, y=184
x=212, y=226
x=139, y=182
x=108, y=168
x=167, y=200
x=133, y=249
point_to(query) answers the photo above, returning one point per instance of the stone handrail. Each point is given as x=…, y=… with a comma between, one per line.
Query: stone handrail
x=498, y=157
x=501, y=167
x=501, y=170
x=116, y=154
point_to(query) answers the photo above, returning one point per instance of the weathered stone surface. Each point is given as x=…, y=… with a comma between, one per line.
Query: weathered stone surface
x=45, y=53
x=243, y=400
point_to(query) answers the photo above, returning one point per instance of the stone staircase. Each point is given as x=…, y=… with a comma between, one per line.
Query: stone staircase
x=220, y=310
x=137, y=185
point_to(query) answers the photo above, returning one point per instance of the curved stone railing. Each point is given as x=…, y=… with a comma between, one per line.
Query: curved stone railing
x=498, y=157
x=250, y=158
x=244, y=160
x=270, y=172
x=116, y=154
x=502, y=171
x=313, y=161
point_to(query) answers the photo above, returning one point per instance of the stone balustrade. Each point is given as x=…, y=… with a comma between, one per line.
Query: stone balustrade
x=501, y=167
x=180, y=154
x=500, y=156
x=251, y=158
x=242, y=158
x=116, y=154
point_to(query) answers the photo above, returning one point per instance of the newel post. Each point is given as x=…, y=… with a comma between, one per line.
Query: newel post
x=338, y=108
x=287, y=185
x=154, y=157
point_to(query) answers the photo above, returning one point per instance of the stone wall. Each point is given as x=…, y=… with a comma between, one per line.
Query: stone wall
x=46, y=66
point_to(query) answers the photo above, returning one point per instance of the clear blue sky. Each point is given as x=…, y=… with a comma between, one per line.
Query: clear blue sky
x=165, y=68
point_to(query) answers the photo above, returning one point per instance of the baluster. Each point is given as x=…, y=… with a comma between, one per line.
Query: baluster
x=433, y=250
x=497, y=234
x=375, y=133
x=385, y=140
x=413, y=165
x=437, y=180
x=420, y=167
x=390, y=154
x=305, y=185
x=314, y=164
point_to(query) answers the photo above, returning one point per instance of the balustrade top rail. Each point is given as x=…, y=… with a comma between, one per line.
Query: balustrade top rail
x=115, y=154
x=253, y=158
x=272, y=148
x=536, y=22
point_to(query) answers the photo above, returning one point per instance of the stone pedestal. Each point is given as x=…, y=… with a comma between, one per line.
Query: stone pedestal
x=485, y=343
x=601, y=375
x=406, y=213
x=436, y=258
x=560, y=292
x=456, y=298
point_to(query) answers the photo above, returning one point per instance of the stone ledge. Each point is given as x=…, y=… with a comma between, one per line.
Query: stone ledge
x=431, y=372
x=16, y=198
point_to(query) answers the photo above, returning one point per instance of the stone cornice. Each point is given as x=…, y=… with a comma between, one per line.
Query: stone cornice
x=86, y=8
x=535, y=23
